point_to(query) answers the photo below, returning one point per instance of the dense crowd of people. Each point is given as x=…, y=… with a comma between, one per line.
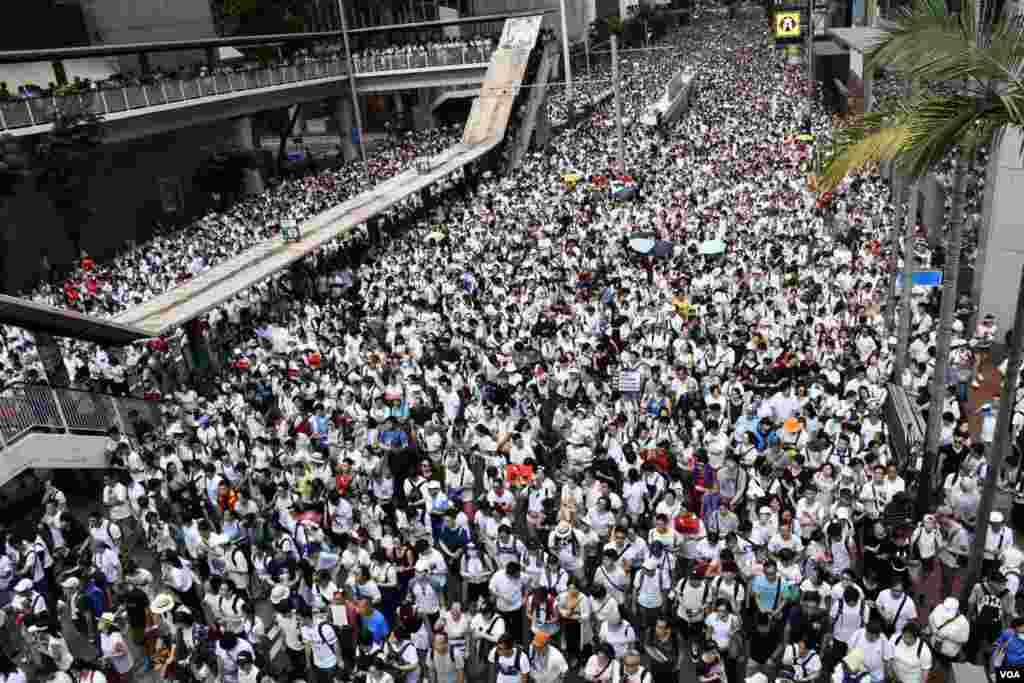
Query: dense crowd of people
x=513, y=440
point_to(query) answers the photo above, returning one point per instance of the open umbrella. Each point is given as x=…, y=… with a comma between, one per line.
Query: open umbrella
x=712, y=247
x=642, y=243
x=663, y=249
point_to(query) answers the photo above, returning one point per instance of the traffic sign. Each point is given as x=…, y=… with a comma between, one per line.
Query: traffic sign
x=922, y=278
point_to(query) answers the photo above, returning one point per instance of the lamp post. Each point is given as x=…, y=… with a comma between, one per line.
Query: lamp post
x=568, y=66
x=614, y=38
x=352, y=81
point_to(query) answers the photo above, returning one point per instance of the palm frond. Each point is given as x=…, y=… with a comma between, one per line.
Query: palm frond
x=930, y=44
x=858, y=150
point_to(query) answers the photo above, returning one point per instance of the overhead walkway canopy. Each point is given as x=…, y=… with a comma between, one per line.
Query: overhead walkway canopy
x=64, y=323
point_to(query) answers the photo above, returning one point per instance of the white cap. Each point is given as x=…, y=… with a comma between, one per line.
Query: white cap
x=71, y=583
x=279, y=594
x=951, y=604
x=23, y=585
x=650, y=563
x=996, y=517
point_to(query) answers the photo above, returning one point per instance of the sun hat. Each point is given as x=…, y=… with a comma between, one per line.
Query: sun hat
x=162, y=603
x=279, y=594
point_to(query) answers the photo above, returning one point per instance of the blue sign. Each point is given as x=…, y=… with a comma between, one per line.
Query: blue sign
x=355, y=136
x=922, y=278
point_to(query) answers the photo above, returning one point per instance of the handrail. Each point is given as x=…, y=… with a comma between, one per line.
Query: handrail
x=34, y=408
x=33, y=111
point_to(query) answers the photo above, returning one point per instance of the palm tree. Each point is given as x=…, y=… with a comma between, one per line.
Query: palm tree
x=981, y=58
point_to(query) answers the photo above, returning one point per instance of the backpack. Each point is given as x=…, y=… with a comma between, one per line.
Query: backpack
x=851, y=677
x=507, y=670
x=920, y=643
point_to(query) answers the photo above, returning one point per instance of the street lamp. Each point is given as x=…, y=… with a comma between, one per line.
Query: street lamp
x=568, y=66
x=352, y=81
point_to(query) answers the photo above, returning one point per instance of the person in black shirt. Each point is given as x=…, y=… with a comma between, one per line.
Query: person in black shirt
x=808, y=622
x=663, y=651
x=764, y=641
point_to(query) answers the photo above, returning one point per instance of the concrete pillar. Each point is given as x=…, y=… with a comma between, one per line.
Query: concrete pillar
x=543, y=129
x=998, y=265
x=422, y=113
x=242, y=138
x=345, y=120
x=300, y=121
x=52, y=359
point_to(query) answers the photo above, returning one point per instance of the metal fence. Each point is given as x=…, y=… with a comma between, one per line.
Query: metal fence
x=33, y=111
x=39, y=408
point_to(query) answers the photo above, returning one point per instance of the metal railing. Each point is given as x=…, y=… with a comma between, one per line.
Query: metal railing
x=33, y=111
x=29, y=408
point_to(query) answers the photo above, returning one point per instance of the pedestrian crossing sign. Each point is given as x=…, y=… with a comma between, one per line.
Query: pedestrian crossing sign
x=787, y=25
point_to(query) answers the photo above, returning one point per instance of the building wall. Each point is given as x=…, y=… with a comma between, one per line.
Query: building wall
x=576, y=13
x=132, y=184
x=137, y=21
x=1000, y=265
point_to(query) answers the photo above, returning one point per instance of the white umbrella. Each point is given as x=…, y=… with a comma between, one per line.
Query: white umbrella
x=712, y=247
x=641, y=245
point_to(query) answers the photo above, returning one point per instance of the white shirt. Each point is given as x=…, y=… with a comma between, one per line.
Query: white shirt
x=547, y=667
x=508, y=594
x=875, y=653
x=322, y=641
x=511, y=668
x=910, y=662
x=896, y=611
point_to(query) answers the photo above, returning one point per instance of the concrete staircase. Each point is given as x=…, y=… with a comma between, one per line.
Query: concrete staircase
x=536, y=100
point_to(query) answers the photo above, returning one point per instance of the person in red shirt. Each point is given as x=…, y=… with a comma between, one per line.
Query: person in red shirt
x=344, y=476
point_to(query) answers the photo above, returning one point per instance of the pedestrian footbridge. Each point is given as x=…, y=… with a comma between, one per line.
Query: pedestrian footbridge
x=44, y=427
x=58, y=428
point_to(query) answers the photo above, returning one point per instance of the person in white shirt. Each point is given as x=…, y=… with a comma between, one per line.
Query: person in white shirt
x=998, y=537
x=612, y=577
x=229, y=651
x=911, y=658
x=896, y=606
x=804, y=662
x=507, y=587
x=402, y=655
x=651, y=587
x=511, y=664
x=547, y=664
x=618, y=633
x=114, y=649
x=949, y=629
x=876, y=647
x=488, y=626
